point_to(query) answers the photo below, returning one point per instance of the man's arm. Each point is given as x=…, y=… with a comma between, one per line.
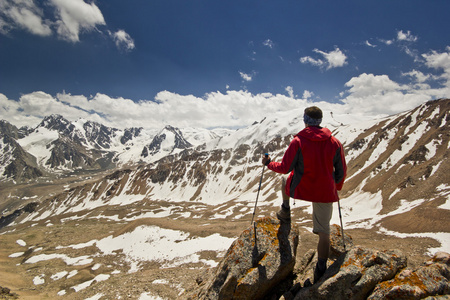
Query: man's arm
x=289, y=159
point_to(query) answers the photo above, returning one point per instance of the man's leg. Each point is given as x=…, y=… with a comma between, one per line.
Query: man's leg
x=321, y=225
x=284, y=214
x=323, y=247
x=283, y=193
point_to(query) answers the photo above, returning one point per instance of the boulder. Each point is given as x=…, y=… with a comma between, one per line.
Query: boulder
x=337, y=246
x=355, y=274
x=429, y=280
x=261, y=258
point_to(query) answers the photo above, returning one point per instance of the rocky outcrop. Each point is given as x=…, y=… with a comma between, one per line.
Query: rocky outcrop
x=355, y=274
x=6, y=220
x=263, y=268
x=5, y=293
x=256, y=262
x=429, y=280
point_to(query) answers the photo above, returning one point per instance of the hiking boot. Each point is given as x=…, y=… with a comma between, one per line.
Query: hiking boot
x=284, y=214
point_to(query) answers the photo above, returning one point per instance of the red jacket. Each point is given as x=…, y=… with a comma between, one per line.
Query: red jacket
x=316, y=161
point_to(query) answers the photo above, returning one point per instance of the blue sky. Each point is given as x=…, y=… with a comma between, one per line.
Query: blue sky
x=172, y=57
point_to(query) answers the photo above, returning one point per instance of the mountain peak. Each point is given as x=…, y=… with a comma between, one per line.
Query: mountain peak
x=167, y=141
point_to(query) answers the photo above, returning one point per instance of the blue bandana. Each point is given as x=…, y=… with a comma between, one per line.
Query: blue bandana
x=311, y=121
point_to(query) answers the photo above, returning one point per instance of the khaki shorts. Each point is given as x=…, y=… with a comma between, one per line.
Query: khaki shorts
x=321, y=217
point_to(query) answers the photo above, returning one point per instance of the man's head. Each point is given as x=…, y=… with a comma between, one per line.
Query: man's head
x=312, y=116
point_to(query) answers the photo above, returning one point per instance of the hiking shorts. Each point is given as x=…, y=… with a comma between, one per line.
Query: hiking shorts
x=321, y=217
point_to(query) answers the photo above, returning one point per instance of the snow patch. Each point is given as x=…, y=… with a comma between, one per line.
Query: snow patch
x=152, y=243
x=21, y=243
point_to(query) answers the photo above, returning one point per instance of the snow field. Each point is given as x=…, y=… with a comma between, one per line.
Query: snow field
x=145, y=243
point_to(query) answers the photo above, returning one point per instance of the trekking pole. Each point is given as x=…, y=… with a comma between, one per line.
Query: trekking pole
x=342, y=226
x=259, y=188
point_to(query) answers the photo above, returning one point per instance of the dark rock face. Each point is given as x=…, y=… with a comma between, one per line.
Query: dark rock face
x=261, y=258
x=99, y=134
x=6, y=220
x=19, y=164
x=10, y=130
x=65, y=152
x=129, y=134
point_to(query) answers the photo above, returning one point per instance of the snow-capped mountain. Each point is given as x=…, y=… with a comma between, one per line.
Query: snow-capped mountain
x=58, y=146
x=167, y=141
x=15, y=162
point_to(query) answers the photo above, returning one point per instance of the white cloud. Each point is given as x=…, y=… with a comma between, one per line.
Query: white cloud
x=268, y=43
x=307, y=94
x=418, y=76
x=369, y=84
x=333, y=59
x=401, y=37
x=387, y=42
x=378, y=94
x=74, y=16
x=312, y=61
x=246, y=77
x=31, y=108
x=232, y=109
x=406, y=36
x=24, y=15
x=290, y=91
x=367, y=43
x=68, y=20
x=123, y=40
x=439, y=61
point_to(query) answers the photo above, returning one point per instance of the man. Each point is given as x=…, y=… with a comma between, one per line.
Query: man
x=316, y=162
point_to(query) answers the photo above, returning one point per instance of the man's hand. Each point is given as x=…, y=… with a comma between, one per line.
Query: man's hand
x=265, y=159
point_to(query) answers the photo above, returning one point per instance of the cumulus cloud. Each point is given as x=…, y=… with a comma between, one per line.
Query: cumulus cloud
x=369, y=84
x=123, y=40
x=332, y=59
x=31, y=108
x=439, y=61
x=232, y=109
x=378, y=94
x=66, y=19
x=74, y=16
x=419, y=76
x=406, y=36
x=24, y=15
x=401, y=37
